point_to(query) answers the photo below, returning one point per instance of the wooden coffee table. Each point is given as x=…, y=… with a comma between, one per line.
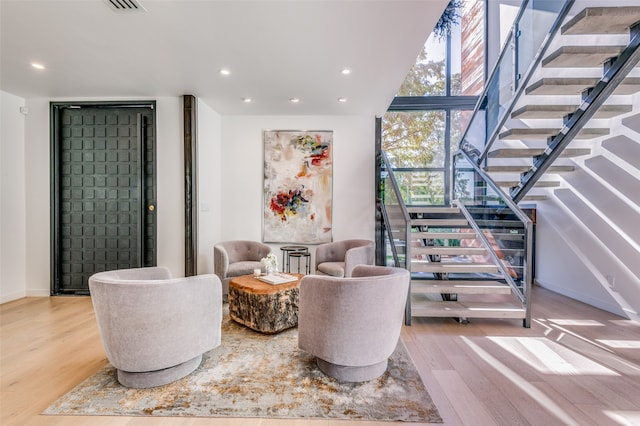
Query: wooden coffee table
x=264, y=307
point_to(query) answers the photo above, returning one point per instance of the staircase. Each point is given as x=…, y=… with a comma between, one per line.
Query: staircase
x=567, y=101
x=453, y=272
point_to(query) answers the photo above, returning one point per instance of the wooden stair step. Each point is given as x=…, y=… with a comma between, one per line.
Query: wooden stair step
x=459, y=287
x=430, y=209
x=602, y=20
x=466, y=310
x=525, y=168
x=499, y=223
x=532, y=197
x=539, y=184
x=440, y=223
x=452, y=267
x=444, y=235
x=544, y=133
x=507, y=236
x=559, y=111
x=448, y=250
x=532, y=152
x=581, y=56
x=575, y=86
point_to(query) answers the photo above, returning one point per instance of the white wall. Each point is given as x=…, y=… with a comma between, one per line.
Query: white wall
x=229, y=191
x=13, y=253
x=353, y=173
x=587, y=233
x=209, y=184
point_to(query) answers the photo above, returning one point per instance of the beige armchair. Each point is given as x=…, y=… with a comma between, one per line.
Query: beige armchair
x=352, y=324
x=154, y=329
x=235, y=258
x=340, y=257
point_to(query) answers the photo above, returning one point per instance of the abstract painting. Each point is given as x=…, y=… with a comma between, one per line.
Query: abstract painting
x=298, y=186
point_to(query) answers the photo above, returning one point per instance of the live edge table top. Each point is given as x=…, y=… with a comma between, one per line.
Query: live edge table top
x=250, y=284
x=264, y=307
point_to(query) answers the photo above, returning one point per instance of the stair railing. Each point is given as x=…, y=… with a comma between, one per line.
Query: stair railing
x=513, y=70
x=500, y=205
x=397, y=224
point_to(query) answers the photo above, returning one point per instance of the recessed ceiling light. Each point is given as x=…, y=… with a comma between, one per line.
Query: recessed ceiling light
x=294, y=100
x=37, y=66
x=345, y=71
x=224, y=71
x=247, y=100
x=342, y=100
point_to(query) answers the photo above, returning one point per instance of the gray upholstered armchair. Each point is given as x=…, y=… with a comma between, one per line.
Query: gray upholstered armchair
x=340, y=257
x=352, y=324
x=154, y=329
x=235, y=258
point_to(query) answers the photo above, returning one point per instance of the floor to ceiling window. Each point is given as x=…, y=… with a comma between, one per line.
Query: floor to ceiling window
x=433, y=106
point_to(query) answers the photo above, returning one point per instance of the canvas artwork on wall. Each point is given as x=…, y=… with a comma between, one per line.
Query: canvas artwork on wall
x=298, y=186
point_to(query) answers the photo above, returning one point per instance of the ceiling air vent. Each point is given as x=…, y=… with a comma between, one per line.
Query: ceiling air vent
x=125, y=5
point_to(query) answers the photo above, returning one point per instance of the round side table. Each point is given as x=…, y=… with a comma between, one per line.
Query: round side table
x=286, y=251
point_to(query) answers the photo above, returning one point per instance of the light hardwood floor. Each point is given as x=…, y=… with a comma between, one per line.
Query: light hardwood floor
x=576, y=365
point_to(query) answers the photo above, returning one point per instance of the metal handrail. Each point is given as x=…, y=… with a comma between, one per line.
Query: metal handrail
x=527, y=273
x=527, y=76
x=503, y=196
x=407, y=220
x=492, y=252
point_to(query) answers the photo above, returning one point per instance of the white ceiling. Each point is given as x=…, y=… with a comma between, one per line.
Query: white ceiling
x=275, y=50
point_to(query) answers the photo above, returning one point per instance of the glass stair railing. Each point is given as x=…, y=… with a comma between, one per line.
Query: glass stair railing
x=549, y=46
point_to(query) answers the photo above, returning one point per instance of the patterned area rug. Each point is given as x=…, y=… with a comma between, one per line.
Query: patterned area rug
x=256, y=375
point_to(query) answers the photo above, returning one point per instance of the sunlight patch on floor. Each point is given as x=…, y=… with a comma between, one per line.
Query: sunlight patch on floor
x=620, y=344
x=590, y=323
x=532, y=391
x=626, y=418
x=550, y=357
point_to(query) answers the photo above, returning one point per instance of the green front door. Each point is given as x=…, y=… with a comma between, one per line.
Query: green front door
x=103, y=191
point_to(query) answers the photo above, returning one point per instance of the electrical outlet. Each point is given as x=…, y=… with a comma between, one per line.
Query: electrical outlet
x=611, y=280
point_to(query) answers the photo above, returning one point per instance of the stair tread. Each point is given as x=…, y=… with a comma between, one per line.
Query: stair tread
x=532, y=152
x=559, y=111
x=522, y=169
x=544, y=133
x=539, y=184
x=467, y=309
x=602, y=20
x=432, y=209
x=459, y=286
x=448, y=250
x=444, y=235
x=439, y=222
x=580, y=56
x=451, y=267
x=575, y=86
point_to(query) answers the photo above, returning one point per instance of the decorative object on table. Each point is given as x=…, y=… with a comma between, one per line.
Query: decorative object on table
x=352, y=324
x=155, y=328
x=340, y=257
x=298, y=176
x=235, y=258
x=270, y=262
x=258, y=376
x=277, y=278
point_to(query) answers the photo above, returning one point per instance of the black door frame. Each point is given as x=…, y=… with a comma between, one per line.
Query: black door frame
x=55, y=138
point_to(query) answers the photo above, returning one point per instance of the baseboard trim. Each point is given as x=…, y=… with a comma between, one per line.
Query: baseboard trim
x=38, y=293
x=597, y=303
x=12, y=296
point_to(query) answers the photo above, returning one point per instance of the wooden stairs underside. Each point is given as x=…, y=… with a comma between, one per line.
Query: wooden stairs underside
x=566, y=71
